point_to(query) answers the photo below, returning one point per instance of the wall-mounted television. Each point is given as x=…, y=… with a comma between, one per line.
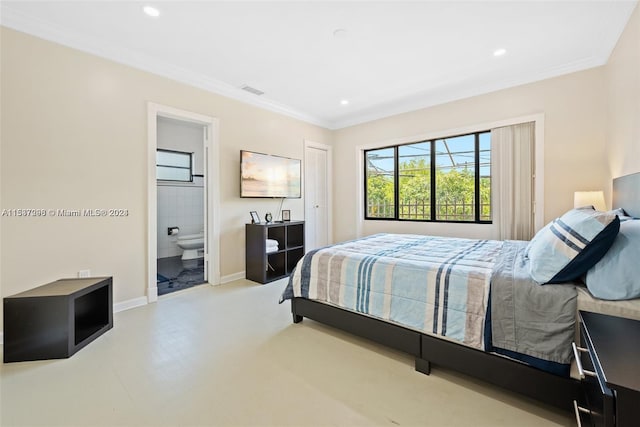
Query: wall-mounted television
x=265, y=175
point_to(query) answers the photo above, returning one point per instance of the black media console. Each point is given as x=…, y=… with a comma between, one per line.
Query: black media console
x=56, y=320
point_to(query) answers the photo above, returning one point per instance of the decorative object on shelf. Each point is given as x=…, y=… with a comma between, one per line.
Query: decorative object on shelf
x=286, y=215
x=255, y=219
x=272, y=245
x=268, y=217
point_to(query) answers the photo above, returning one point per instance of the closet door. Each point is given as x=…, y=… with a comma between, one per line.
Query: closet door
x=316, y=193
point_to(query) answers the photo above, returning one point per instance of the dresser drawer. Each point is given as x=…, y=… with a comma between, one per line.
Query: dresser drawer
x=611, y=348
x=598, y=399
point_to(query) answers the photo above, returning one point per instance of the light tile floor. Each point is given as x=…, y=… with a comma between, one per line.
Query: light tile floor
x=230, y=355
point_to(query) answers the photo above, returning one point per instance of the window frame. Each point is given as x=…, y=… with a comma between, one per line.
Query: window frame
x=432, y=171
x=190, y=168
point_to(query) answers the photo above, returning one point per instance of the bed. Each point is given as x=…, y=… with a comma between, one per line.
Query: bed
x=466, y=318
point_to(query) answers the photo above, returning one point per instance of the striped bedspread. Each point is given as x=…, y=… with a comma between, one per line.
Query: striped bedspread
x=431, y=284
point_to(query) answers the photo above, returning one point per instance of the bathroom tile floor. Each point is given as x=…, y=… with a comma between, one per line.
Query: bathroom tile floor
x=172, y=276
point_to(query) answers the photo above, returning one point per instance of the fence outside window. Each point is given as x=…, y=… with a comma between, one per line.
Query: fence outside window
x=421, y=210
x=444, y=179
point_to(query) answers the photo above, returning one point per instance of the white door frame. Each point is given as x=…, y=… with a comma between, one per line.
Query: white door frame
x=328, y=149
x=212, y=188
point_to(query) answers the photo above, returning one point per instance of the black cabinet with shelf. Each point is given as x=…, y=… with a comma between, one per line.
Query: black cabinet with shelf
x=263, y=266
x=55, y=320
x=609, y=370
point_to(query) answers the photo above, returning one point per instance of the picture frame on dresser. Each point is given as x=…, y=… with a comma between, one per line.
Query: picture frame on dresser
x=255, y=218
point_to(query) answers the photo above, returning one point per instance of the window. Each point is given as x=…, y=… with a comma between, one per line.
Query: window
x=446, y=179
x=380, y=179
x=174, y=166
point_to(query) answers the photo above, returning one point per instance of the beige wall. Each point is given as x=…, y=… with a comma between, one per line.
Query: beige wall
x=592, y=134
x=623, y=101
x=74, y=135
x=574, y=123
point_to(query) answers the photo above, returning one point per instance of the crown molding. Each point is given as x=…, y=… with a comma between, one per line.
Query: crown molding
x=420, y=100
x=433, y=98
x=19, y=21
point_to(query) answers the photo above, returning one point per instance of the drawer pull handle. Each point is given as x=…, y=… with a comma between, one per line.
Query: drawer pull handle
x=577, y=409
x=582, y=372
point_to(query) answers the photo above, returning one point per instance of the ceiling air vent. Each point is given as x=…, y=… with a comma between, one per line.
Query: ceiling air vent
x=252, y=90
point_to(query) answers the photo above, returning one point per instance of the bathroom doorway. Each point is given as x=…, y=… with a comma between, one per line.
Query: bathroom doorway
x=183, y=201
x=180, y=206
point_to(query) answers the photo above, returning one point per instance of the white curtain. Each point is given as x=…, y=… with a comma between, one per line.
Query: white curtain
x=513, y=155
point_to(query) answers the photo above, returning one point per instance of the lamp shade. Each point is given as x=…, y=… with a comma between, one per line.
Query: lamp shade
x=589, y=198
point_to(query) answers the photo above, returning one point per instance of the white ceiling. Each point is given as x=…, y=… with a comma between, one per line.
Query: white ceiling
x=395, y=56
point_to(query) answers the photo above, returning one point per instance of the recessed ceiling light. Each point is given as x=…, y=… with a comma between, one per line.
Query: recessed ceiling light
x=499, y=52
x=151, y=11
x=344, y=102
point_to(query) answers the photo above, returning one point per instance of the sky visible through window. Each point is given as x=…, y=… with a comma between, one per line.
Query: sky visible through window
x=436, y=180
x=451, y=153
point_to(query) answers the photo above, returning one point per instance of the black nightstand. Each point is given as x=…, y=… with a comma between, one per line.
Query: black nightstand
x=609, y=362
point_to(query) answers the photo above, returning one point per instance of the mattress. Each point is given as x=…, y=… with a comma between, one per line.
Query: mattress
x=629, y=309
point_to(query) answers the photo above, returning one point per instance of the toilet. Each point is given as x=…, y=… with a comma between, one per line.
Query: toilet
x=193, y=249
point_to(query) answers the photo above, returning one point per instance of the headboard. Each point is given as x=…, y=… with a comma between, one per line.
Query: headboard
x=626, y=193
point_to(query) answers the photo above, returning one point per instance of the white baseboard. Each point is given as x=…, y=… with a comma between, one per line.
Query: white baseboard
x=231, y=277
x=128, y=304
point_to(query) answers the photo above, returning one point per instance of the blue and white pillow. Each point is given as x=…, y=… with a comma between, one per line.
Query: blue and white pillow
x=617, y=275
x=568, y=246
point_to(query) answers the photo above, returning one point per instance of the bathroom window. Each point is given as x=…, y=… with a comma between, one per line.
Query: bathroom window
x=174, y=166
